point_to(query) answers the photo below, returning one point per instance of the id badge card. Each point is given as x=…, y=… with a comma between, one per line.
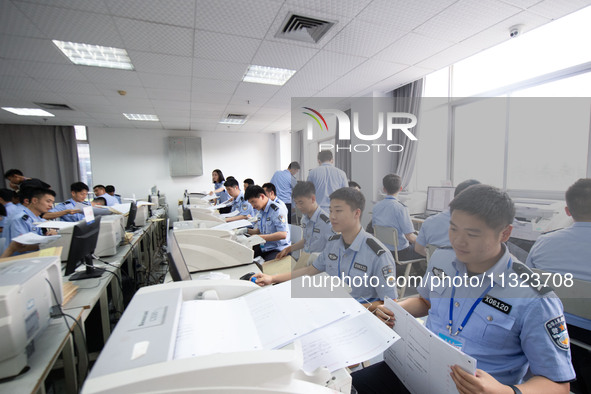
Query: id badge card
x=452, y=341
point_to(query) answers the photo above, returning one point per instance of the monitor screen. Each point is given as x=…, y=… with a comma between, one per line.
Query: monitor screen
x=177, y=265
x=84, y=238
x=131, y=216
x=439, y=197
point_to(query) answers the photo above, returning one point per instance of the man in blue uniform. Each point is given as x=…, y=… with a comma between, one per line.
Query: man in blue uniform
x=271, y=192
x=315, y=222
x=272, y=224
x=41, y=201
x=435, y=229
x=326, y=179
x=352, y=253
x=238, y=203
x=392, y=213
x=69, y=210
x=110, y=189
x=284, y=181
x=568, y=251
x=100, y=191
x=514, y=328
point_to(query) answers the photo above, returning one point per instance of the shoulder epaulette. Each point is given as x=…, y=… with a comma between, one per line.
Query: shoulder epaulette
x=274, y=207
x=401, y=203
x=378, y=250
x=324, y=218
x=521, y=268
x=333, y=237
x=25, y=217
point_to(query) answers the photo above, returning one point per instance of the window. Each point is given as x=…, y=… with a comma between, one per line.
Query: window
x=83, y=155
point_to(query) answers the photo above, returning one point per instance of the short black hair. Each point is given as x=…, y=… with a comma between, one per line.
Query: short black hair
x=324, y=156
x=253, y=191
x=78, y=187
x=464, y=185
x=110, y=188
x=38, y=193
x=7, y=194
x=99, y=186
x=100, y=199
x=294, y=165
x=354, y=184
x=231, y=182
x=221, y=178
x=392, y=183
x=489, y=203
x=230, y=177
x=271, y=187
x=249, y=181
x=2, y=210
x=578, y=199
x=12, y=172
x=353, y=197
x=303, y=189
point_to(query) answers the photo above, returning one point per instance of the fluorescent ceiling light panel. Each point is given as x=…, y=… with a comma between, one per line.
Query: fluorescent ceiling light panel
x=267, y=75
x=28, y=111
x=95, y=55
x=146, y=117
x=232, y=121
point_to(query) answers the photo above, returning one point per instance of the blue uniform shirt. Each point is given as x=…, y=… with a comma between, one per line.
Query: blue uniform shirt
x=392, y=213
x=12, y=209
x=365, y=257
x=317, y=231
x=223, y=196
x=435, y=230
x=279, y=202
x=242, y=206
x=273, y=219
x=565, y=251
x=22, y=224
x=326, y=179
x=110, y=199
x=284, y=182
x=69, y=204
x=512, y=327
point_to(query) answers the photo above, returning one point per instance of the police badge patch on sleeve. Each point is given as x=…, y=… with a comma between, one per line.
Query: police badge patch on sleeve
x=281, y=218
x=332, y=256
x=387, y=272
x=556, y=329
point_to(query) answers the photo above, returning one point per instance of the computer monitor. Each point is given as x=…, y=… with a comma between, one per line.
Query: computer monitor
x=176, y=262
x=131, y=216
x=439, y=197
x=84, y=238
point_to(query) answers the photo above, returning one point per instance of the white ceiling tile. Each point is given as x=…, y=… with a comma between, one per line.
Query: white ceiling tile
x=171, y=104
x=283, y=55
x=177, y=12
x=363, y=38
x=217, y=46
x=19, y=83
x=248, y=90
x=347, y=8
x=154, y=80
x=9, y=68
x=14, y=22
x=243, y=18
x=169, y=94
x=202, y=85
x=412, y=48
x=71, y=25
x=213, y=69
x=40, y=71
x=556, y=9
x=31, y=49
x=162, y=64
x=407, y=75
x=132, y=93
x=466, y=18
x=60, y=86
x=522, y=3
x=120, y=79
x=155, y=37
x=92, y=6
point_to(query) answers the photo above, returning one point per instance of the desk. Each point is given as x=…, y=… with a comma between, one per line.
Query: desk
x=55, y=339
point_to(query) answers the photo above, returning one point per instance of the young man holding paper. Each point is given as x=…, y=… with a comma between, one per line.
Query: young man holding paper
x=487, y=307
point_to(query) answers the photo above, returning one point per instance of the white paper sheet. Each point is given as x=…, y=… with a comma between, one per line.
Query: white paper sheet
x=54, y=224
x=421, y=359
x=35, y=239
x=230, y=214
x=232, y=225
x=207, y=197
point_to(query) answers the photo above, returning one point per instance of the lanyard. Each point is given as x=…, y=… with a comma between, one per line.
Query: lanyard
x=351, y=266
x=451, y=306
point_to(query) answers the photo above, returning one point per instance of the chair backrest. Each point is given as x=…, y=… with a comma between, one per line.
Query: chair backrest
x=576, y=299
x=296, y=233
x=430, y=249
x=387, y=235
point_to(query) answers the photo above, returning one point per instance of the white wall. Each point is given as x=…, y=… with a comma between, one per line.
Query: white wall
x=133, y=160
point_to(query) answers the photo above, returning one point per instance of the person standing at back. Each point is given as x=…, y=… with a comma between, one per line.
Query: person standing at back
x=326, y=179
x=284, y=182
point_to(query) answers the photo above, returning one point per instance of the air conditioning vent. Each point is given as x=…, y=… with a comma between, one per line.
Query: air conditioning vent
x=303, y=28
x=55, y=106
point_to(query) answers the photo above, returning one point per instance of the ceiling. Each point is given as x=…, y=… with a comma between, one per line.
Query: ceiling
x=190, y=55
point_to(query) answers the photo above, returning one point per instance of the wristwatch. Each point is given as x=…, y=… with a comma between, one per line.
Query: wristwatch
x=515, y=389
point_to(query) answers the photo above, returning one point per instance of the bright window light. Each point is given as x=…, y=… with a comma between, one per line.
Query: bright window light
x=232, y=121
x=80, y=133
x=145, y=117
x=267, y=75
x=28, y=111
x=95, y=55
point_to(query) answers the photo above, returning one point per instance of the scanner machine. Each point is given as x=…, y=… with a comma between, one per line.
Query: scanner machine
x=139, y=355
x=535, y=217
x=25, y=302
x=186, y=224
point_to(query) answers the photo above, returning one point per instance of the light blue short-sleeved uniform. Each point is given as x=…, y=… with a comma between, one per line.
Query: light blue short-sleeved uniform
x=22, y=224
x=284, y=182
x=273, y=219
x=317, y=230
x=392, y=213
x=242, y=206
x=278, y=201
x=69, y=204
x=565, y=251
x=13, y=209
x=366, y=256
x=435, y=230
x=512, y=328
x=223, y=196
x=326, y=179
x=110, y=199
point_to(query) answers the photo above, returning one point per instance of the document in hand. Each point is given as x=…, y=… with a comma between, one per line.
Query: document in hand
x=422, y=360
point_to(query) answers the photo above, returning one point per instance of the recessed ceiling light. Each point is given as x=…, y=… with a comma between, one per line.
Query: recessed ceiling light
x=267, y=75
x=28, y=111
x=95, y=55
x=146, y=117
x=233, y=119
